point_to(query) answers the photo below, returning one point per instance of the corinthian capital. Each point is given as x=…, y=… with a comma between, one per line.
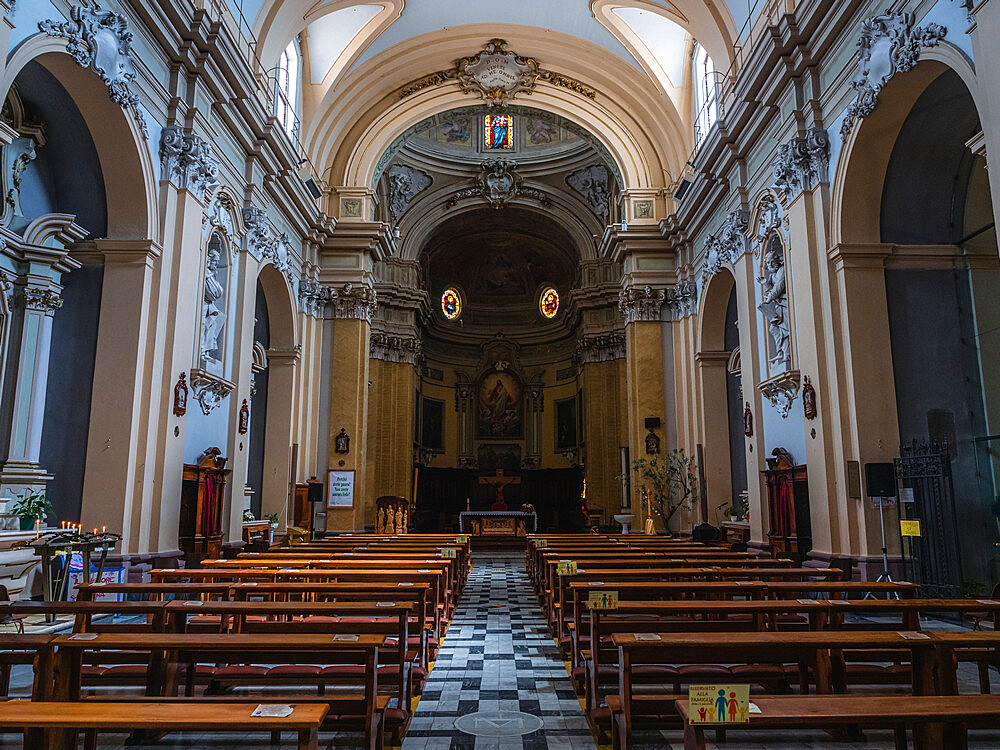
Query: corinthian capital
x=354, y=302
x=42, y=300
x=189, y=162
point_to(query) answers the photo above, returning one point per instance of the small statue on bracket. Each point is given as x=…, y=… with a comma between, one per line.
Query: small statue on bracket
x=748, y=421
x=652, y=443
x=342, y=443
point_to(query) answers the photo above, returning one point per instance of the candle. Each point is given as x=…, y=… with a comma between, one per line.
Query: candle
x=38, y=523
x=103, y=529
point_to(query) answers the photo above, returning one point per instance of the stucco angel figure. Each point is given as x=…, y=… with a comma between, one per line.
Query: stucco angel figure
x=774, y=302
x=213, y=319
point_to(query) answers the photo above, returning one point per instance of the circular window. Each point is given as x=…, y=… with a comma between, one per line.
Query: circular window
x=548, y=303
x=451, y=304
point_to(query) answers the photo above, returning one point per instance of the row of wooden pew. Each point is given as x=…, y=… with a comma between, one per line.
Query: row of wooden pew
x=692, y=614
x=342, y=631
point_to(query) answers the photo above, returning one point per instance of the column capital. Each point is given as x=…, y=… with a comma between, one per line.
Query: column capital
x=803, y=163
x=41, y=299
x=189, y=162
x=713, y=359
x=120, y=252
x=405, y=349
x=646, y=304
x=284, y=356
x=353, y=302
x=605, y=347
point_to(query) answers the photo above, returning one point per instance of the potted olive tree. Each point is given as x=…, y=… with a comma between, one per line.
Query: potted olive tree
x=29, y=507
x=670, y=482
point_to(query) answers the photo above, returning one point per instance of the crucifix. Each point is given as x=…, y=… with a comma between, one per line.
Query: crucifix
x=499, y=482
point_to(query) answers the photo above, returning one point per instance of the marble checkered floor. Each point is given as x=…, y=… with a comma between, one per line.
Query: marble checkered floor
x=498, y=656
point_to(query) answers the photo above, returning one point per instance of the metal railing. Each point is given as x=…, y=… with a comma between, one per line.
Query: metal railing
x=229, y=13
x=753, y=30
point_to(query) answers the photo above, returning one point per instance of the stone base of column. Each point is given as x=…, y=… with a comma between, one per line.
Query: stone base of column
x=22, y=476
x=761, y=549
x=870, y=568
x=816, y=559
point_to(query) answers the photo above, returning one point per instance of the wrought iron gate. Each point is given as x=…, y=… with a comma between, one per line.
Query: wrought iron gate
x=936, y=563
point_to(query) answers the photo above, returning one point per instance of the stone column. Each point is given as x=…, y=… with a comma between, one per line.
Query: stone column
x=985, y=31
x=188, y=169
x=602, y=377
x=392, y=363
x=712, y=380
x=867, y=392
x=118, y=405
x=22, y=470
x=352, y=308
x=282, y=375
x=801, y=180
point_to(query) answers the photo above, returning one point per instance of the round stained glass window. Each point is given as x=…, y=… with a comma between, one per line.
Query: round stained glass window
x=548, y=303
x=451, y=304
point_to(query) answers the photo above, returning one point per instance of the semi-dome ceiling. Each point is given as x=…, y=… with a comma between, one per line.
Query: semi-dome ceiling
x=500, y=261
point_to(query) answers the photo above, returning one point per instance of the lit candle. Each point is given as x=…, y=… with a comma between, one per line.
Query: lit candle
x=38, y=523
x=103, y=529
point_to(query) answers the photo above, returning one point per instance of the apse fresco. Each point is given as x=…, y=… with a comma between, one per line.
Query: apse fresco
x=457, y=131
x=538, y=132
x=499, y=406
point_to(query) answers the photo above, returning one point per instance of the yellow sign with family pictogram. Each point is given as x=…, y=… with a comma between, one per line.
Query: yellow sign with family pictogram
x=447, y=552
x=909, y=528
x=602, y=599
x=566, y=568
x=719, y=704
x=541, y=542
x=462, y=539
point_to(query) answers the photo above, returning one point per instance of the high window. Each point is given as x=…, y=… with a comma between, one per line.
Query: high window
x=451, y=304
x=287, y=90
x=498, y=132
x=706, y=103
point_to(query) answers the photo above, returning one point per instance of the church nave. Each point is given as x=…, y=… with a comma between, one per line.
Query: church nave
x=498, y=657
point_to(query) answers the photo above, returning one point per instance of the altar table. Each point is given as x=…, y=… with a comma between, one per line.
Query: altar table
x=498, y=522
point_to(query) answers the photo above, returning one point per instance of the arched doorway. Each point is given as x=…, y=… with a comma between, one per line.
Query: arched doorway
x=722, y=402
x=931, y=216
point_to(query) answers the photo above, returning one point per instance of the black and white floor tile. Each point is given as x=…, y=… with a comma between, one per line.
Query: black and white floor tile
x=499, y=657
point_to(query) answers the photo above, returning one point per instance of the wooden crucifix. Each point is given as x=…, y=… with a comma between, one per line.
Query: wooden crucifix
x=499, y=482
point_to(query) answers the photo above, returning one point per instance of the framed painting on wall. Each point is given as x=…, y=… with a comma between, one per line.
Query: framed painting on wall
x=566, y=423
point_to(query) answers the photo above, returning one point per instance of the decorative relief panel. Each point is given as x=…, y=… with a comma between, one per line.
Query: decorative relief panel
x=99, y=40
x=889, y=44
x=731, y=242
x=497, y=75
x=592, y=183
x=404, y=184
x=499, y=183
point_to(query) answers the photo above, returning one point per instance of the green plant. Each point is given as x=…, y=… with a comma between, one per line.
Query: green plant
x=248, y=516
x=273, y=518
x=671, y=482
x=31, y=505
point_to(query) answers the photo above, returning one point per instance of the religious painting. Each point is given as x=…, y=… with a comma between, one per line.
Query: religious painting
x=500, y=405
x=498, y=132
x=432, y=424
x=457, y=130
x=566, y=414
x=538, y=132
x=505, y=457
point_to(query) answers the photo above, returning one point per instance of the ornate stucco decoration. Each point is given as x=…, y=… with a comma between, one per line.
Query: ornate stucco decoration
x=209, y=389
x=729, y=244
x=262, y=242
x=99, y=40
x=42, y=300
x=404, y=183
x=592, y=183
x=353, y=302
x=768, y=218
x=499, y=183
x=889, y=44
x=314, y=297
x=605, y=347
x=389, y=348
x=646, y=304
x=781, y=391
x=189, y=162
x=802, y=163
x=497, y=75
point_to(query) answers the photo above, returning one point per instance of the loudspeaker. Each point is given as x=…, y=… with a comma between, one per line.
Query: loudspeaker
x=652, y=423
x=880, y=480
x=315, y=492
x=682, y=188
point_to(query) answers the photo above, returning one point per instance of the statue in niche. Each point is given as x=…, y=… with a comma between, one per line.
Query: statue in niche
x=213, y=319
x=774, y=301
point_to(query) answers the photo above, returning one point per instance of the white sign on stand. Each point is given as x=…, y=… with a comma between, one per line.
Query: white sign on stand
x=341, y=492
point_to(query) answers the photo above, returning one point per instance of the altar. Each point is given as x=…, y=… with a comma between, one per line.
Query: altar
x=497, y=522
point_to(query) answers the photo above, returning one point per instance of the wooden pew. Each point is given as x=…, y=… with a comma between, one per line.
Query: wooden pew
x=169, y=651
x=815, y=650
x=92, y=718
x=155, y=591
x=83, y=613
x=895, y=712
